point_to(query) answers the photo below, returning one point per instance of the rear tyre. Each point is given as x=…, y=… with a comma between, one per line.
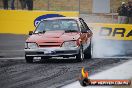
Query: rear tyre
x=87, y=53
x=29, y=59
x=80, y=55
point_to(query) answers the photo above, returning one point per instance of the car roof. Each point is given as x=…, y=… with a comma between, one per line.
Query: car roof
x=59, y=18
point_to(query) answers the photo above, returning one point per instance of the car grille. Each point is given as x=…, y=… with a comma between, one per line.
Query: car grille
x=50, y=44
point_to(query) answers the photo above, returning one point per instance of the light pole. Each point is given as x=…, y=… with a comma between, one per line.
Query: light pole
x=79, y=6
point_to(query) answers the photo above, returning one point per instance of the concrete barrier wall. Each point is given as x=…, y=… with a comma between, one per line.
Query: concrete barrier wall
x=20, y=22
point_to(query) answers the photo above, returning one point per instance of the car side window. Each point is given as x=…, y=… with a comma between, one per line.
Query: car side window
x=86, y=26
x=83, y=24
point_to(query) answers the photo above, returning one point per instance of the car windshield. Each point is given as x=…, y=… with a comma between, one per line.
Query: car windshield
x=61, y=24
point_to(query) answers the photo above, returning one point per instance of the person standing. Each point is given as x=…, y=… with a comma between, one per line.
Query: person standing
x=29, y=4
x=5, y=4
x=129, y=12
x=122, y=14
x=12, y=4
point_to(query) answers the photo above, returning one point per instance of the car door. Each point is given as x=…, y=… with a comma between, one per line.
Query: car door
x=86, y=34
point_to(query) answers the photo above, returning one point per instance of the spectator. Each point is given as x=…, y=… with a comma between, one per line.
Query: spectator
x=23, y=4
x=129, y=12
x=122, y=13
x=29, y=4
x=12, y=4
x=5, y=4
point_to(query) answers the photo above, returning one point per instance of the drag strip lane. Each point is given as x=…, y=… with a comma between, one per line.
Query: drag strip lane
x=47, y=73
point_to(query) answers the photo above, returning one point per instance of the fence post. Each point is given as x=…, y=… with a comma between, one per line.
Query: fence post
x=79, y=6
x=17, y=4
x=48, y=5
x=112, y=15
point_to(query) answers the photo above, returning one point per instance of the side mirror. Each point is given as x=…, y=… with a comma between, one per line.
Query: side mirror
x=30, y=32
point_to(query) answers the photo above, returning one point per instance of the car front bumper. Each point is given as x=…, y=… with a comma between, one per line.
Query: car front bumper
x=52, y=51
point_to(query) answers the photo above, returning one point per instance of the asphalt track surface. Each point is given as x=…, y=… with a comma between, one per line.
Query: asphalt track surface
x=52, y=73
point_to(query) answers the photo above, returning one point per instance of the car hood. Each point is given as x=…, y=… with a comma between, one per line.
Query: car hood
x=53, y=36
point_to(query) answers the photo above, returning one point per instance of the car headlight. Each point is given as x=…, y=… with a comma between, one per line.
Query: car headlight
x=69, y=44
x=26, y=45
x=31, y=45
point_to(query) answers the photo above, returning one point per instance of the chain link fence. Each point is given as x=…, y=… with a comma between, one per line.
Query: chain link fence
x=83, y=6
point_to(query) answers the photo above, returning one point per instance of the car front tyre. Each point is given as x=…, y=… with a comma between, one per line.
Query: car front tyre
x=29, y=59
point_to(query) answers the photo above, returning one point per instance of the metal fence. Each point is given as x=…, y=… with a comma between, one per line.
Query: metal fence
x=83, y=6
x=57, y=5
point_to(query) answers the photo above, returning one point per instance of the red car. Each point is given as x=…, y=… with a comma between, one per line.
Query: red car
x=59, y=37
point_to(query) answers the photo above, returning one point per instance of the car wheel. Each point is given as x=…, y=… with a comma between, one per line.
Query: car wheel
x=80, y=55
x=29, y=59
x=87, y=53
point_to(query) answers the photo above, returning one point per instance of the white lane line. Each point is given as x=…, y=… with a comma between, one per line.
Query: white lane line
x=13, y=58
x=123, y=71
x=11, y=50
